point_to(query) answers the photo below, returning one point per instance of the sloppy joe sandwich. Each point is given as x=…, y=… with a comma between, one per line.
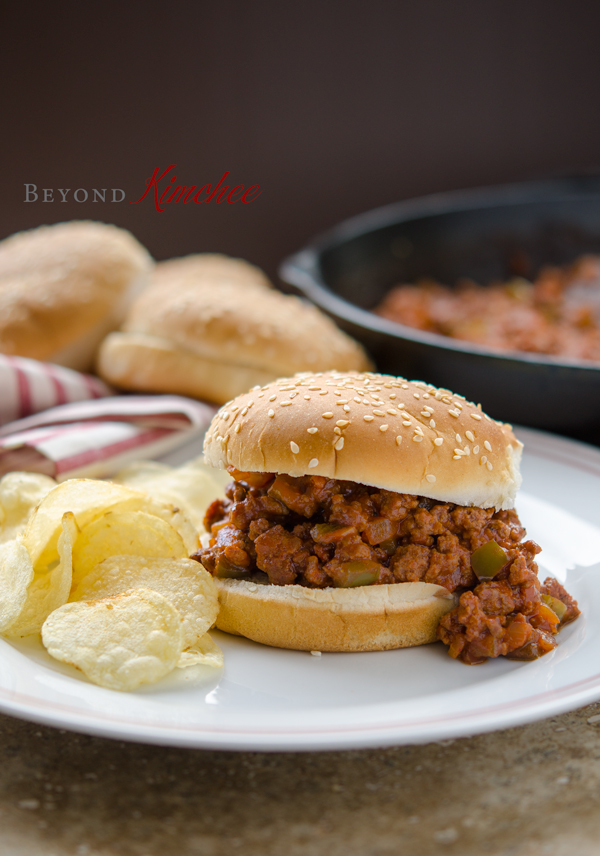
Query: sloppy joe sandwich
x=64, y=287
x=210, y=327
x=369, y=512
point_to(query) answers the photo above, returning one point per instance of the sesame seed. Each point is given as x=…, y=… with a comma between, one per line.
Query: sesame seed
x=426, y=395
x=311, y=430
x=393, y=395
x=238, y=428
x=475, y=450
x=454, y=413
x=327, y=415
x=272, y=397
x=324, y=392
x=430, y=478
x=425, y=413
x=489, y=466
x=398, y=440
x=346, y=408
x=468, y=450
x=337, y=430
x=314, y=462
x=383, y=427
x=391, y=411
x=438, y=441
x=339, y=445
x=271, y=413
x=368, y=418
x=387, y=386
x=470, y=435
x=293, y=394
x=314, y=388
x=342, y=401
x=341, y=423
x=432, y=423
x=483, y=459
x=225, y=416
x=456, y=457
x=459, y=452
x=401, y=406
x=418, y=429
x=307, y=397
x=416, y=394
x=294, y=447
x=378, y=413
x=417, y=438
x=487, y=445
x=475, y=416
x=285, y=403
x=235, y=407
x=458, y=438
x=357, y=399
x=244, y=411
x=407, y=423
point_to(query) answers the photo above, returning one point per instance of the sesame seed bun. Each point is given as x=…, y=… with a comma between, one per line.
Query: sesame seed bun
x=216, y=321
x=404, y=436
x=64, y=287
x=387, y=432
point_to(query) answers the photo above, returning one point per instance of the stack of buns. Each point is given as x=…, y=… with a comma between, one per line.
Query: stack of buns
x=211, y=327
x=64, y=287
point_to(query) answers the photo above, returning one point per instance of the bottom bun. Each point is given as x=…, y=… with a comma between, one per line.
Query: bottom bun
x=366, y=618
x=143, y=363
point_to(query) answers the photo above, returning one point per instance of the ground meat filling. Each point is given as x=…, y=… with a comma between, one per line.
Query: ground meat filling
x=320, y=532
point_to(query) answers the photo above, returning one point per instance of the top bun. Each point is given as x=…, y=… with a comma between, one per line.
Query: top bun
x=404, y=436
x=64, y=287
x=211, y=327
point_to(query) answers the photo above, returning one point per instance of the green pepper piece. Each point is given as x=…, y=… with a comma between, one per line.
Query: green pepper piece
x=390, y=546
x=556, y=605
x=357, y=573
x=328, y=533
x=225, y=570
x=488, y=560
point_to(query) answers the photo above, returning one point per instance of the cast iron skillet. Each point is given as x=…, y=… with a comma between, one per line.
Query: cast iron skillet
x=486, y=234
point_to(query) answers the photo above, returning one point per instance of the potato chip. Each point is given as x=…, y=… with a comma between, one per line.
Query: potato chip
x=86, y=499
x=16, y=574
x=50, y=588
x=184, y=582
x=119, y=642
x=115, y=533
x=177, y=518
x=205, y=652
x=192, y=486
x=19, y=494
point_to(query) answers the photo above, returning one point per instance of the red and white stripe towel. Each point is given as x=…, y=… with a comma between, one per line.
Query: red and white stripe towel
x=28, y=386
x=97, y=438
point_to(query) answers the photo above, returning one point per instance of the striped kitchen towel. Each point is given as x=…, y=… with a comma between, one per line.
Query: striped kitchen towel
x=97, y=438
x=28, y=386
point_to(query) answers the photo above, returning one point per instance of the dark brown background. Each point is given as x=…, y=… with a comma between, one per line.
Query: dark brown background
x=333, y=108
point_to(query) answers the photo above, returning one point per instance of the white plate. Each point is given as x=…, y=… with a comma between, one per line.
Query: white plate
x=269, y=699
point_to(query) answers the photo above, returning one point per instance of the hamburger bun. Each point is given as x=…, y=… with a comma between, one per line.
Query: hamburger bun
x=386, y=432
x=210, y=327
x=64, y=287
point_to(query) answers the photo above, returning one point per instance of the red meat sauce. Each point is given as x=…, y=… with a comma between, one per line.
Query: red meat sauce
x=557, y=313
x=319, y=532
